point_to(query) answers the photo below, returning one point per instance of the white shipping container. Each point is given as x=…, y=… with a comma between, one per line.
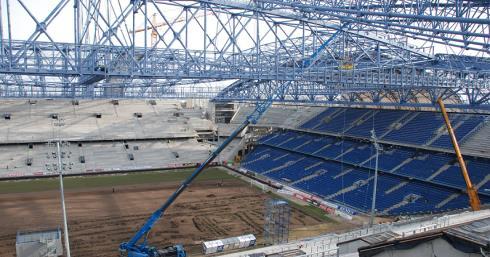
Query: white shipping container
x=206, y=247
x=220, y=246
x=247, y=240
x=243, y=241
x=212, y=246
x=236, y=244
x=228, y=244
x=253, y=240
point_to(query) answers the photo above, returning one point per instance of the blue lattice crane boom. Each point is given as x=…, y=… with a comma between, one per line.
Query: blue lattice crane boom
x=311, y=60
x=132, y=248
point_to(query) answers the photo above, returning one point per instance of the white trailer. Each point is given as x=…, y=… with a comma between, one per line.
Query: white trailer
x=227, y=244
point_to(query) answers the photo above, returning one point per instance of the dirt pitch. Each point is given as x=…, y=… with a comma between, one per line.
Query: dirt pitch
x=99, y=220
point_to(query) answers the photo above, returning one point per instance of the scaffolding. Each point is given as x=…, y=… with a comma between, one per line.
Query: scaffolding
x=46, y=243
x=277, y=216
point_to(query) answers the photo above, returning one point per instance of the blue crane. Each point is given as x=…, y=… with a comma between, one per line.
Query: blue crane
x=133, y=249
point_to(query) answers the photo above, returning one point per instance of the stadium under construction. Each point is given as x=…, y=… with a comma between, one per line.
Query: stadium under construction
x=244, y=128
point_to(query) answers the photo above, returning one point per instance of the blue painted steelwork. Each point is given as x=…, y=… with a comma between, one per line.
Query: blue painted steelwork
x=462, y=23
x=308, y=62
x=392, y=48
x=356, y=94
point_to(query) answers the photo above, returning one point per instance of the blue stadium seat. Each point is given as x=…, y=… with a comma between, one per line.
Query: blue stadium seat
x=418, y=130
x=335, y=149
x=380, y=122
x=423, y=169
x=342, y=121
x=358, y=154
x=330, y=181
x=477, y=169
x=461, y=132
x=389, y=159
x=323, y=164
x=317, y=120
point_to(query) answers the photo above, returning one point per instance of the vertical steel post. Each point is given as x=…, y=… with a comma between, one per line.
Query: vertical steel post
x=1, y=30
x=186, y=37
x=65, y=223
x=373, y=203
x=257, y=44
x=205, y=34
x=9, y=34
x=145, y=64
x=133, y=45
x=76, y=35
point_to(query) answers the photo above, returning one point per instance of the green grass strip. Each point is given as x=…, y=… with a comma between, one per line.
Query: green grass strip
x=112, y=180
x=309, y=209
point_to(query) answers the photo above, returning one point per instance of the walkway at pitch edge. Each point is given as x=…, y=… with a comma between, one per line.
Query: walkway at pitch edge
x=326, y=245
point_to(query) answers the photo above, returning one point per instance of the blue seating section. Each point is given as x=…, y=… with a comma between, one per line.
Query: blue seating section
x=477, y=170
x=380, y=122
x=361, y=197
x=461, y=132
x=316, y=144
x=329, y=183
x=277, y=138
x=458, y=202
x=342, y=121
x=418, y=130
x=423, y=169
x=430, y=197
x=390, y=159
x=412, y=127
x=319, y=118
x=422, y=164
x=324, y=184
x=358, y=155
x=451, y=176
x=336, y=149
x=293, y=172
x=311, y=162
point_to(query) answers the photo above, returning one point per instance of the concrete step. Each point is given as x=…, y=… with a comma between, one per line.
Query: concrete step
x=439, y=171
x=404, y=202
x=352, y=187
x=285, y=165
x=396, y=187
x=447, y=200
x=314, y=175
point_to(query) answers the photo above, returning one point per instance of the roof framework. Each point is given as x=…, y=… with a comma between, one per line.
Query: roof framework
x=376, y=51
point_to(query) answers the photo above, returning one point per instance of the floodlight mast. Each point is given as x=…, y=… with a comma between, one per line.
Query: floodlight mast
x=373, y=203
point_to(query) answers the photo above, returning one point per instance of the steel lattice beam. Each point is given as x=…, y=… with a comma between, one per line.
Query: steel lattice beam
x=325, y=49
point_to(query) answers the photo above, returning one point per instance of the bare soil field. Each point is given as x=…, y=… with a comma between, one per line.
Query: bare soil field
x=100, y=219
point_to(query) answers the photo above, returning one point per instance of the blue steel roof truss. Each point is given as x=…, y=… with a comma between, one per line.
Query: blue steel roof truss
x=329, y=51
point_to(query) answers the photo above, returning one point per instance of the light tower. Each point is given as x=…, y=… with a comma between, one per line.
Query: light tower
x=373, y=203
x=59, y=154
